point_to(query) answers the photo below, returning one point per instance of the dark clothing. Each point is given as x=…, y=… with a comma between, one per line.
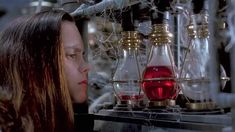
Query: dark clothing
x=82, y=120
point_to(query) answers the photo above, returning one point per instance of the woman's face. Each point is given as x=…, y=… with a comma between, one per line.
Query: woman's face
x=75, y=67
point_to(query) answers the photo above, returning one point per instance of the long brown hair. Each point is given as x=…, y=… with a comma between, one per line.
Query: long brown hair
x=32, y=74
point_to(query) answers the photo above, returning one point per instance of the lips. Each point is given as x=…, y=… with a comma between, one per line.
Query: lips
x=83, y=82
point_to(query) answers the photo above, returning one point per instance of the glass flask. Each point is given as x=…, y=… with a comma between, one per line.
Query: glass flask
x=195, y=70
x=196, y=67
x=159, y=75
x=127, y=77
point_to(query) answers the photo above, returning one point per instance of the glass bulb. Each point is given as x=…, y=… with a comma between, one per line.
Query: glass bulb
x=127, y=77
x=158, y=76
x=196, y=65
x=128, y=74
x=196, y=70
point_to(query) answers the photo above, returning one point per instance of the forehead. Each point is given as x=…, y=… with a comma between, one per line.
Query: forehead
x=70, y=35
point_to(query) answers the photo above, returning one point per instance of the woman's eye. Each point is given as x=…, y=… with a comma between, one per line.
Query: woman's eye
x=72, y=56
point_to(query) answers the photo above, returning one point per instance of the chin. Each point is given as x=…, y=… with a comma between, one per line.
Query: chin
x=80, y=99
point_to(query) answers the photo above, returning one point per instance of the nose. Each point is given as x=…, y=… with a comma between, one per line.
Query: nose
x=84, y=67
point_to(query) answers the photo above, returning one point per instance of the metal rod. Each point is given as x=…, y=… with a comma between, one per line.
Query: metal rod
x=178, y=44
x=103, y=5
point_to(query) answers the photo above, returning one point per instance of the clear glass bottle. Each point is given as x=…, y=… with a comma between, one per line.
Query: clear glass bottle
x=195, y=70
x=127, y=77
x=159, y=76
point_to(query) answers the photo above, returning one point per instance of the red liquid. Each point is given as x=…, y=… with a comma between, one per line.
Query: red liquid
x=130, y=97
x=159, y=90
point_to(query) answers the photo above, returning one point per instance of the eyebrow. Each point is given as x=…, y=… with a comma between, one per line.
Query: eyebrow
x=73, y=48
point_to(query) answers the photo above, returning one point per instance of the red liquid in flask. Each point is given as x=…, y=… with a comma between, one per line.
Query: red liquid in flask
x=159, y=90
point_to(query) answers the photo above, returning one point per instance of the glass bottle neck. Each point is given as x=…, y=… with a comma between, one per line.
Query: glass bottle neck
x=129, y=53
x=200, y=44
x=161, y=49
x=161, y=55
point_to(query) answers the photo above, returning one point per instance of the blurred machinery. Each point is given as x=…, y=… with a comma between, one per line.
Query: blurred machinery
x=158, y=65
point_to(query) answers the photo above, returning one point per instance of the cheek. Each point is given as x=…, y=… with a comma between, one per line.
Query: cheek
x=73, y=77
x=71, y=73
x=69, y=68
